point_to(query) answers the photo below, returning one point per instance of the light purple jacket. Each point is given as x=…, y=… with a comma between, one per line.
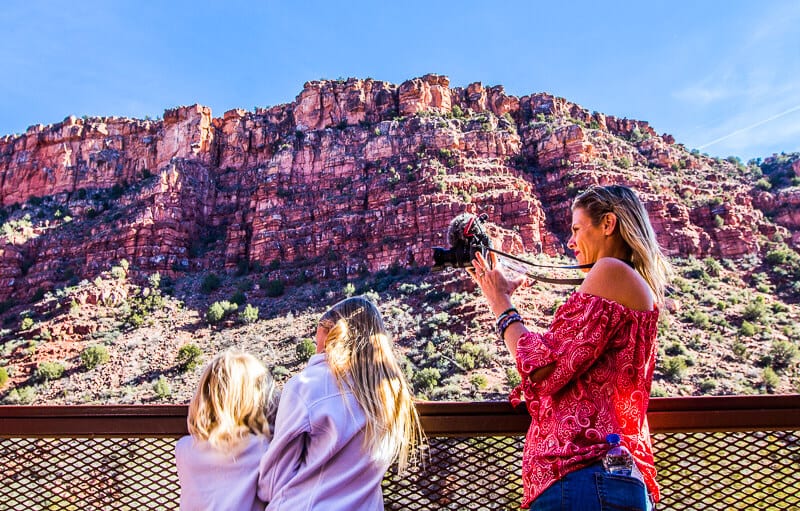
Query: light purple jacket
x=214, y=481
x=317, y=460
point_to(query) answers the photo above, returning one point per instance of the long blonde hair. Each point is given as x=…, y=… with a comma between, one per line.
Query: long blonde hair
x=235, y=397
x=635, y=229
x=359, y=353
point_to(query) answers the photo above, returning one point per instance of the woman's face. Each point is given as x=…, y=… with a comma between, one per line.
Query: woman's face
x=587, y=241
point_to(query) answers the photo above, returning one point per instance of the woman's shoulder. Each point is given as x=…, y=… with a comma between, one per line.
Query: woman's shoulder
x=617, y=281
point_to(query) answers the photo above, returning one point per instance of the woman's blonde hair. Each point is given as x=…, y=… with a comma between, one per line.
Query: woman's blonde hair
x=236, y=397
x=359, y=352
x=634, y=227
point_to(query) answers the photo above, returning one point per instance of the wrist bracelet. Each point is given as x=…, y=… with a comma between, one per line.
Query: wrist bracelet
x=506, y=313
x=507, y=321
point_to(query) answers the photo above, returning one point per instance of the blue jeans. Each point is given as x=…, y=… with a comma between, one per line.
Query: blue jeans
x=592, y=489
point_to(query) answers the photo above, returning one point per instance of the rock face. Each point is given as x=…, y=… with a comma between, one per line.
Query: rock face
x=353, y=176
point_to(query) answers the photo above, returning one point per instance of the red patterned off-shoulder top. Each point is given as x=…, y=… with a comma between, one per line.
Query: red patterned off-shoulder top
x=605, y=355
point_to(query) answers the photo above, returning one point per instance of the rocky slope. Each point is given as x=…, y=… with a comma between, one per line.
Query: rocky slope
x=352, y=178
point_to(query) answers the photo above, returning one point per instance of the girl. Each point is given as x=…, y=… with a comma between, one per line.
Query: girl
x=343, y=420
x=229, y=425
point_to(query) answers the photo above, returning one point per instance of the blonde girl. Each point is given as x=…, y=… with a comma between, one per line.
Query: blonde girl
x=229, y=425
x=343, y=420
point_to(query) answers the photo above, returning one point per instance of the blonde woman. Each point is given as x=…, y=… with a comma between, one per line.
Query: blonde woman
x=229, y=425
x=589, y=374
x=343, y=420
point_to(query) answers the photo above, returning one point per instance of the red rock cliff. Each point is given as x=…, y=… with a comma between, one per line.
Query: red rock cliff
x=352, y=176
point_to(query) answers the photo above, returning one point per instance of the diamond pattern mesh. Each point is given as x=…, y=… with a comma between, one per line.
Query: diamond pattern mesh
x=697, y=471
x=75, y=474
x=728, y=470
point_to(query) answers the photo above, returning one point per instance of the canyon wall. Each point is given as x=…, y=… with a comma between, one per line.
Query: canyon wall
x=353, y=176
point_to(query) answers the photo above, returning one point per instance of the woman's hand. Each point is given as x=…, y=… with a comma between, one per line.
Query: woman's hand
x=498, y=290
x=493, y=283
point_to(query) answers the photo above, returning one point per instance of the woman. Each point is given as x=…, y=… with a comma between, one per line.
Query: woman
x=343, y=420
x=589, y=375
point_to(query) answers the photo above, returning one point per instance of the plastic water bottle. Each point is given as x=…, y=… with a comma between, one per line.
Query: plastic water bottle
x=618, y=460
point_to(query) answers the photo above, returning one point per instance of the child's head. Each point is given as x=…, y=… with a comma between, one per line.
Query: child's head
x=359, y=352
x=236, y=396
x=352, y=329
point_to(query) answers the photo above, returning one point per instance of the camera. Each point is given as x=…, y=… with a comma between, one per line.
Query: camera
x=466, y=236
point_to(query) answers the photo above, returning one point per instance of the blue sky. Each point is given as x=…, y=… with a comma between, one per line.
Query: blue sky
x=720, y=76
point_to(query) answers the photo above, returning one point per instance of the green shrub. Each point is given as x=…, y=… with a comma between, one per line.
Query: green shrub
x=161, y=388
x=119, y=272
x=189, y=356
x=21, y=396
x=305, y=349
x=274, y=288
x=47, y=371
x=26, y=323
x=676, y=348
x=675, y=368
x=747, y=329
x=154, y=280
x=210, y=283
x=713, y=267
x=755, y=310
x=407, y=289
x=93, y=356
x=238, y=298
x=478, y=381
x=218, y=310
x=708, y=385
x=656, y=391
x=249, y=314
x=3, y=376
x=465, y=360
x=426, y=379
x=215, y=313
x=512, y=377
x=480, y=353
x=782, y=353
x=450, y=392
x=739, y=348
x=770, y=379
x=698, y=318
x=280, y=373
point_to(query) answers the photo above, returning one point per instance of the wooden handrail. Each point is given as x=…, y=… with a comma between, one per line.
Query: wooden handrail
x=713, y=413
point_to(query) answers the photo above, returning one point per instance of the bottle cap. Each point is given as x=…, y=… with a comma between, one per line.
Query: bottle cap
x=612, y=438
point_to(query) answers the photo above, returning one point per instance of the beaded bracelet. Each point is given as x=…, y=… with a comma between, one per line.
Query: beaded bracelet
x=506, y=322
x=502, y=317
x=506, y=313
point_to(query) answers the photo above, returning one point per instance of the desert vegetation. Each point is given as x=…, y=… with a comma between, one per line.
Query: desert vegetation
x=721, y=332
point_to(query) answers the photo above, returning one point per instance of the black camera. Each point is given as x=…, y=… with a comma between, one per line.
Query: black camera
x=466, y=236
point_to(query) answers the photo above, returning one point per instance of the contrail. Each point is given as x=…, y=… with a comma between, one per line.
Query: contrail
x=759, y=123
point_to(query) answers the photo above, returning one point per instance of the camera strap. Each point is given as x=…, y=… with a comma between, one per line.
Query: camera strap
x=541, y=278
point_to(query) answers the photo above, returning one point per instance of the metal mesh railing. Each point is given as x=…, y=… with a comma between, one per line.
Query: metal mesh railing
x=79, y=474
x=711, y=454
x=479, y=473
x=729, y=470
